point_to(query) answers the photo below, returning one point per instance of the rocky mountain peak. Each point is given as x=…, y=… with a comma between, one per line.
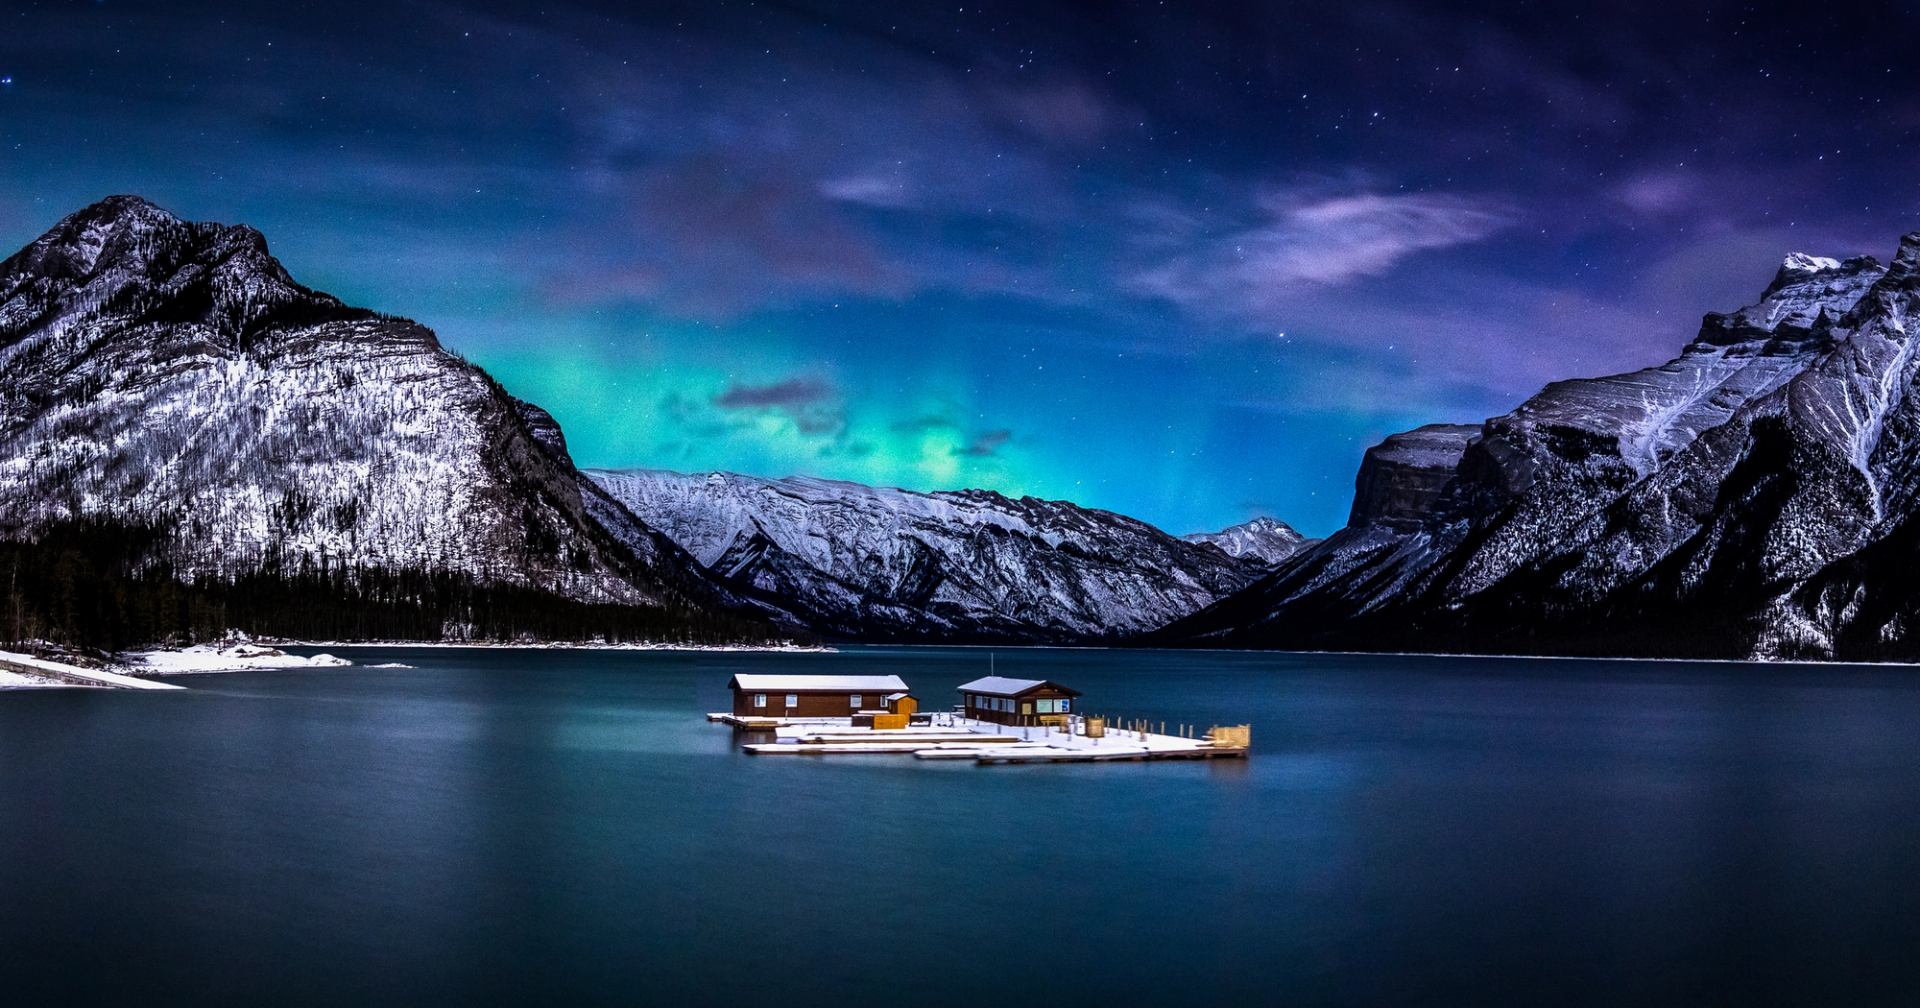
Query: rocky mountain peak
x=1906, y=262
x=156, y=275
x=1263, y=539
x=115, y=231
x=1800, y=264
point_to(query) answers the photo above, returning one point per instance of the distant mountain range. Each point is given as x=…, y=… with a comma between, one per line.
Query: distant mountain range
x=872, y=563
x=1757, y=496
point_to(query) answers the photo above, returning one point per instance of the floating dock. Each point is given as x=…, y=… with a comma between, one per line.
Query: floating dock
x=955, y=737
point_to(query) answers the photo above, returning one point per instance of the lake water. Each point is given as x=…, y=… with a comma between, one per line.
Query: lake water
x=564, y=827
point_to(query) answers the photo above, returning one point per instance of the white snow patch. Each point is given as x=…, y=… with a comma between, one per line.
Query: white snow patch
x=226, y=658
x=29, y=668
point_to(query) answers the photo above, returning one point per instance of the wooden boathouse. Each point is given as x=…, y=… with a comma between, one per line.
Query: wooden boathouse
x=1017, y=701
x=811, y=696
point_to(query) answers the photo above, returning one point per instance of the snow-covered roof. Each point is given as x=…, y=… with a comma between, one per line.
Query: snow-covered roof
x=1003, y=686
x=820, y=683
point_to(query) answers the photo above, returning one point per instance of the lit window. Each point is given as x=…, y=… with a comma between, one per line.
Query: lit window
x=759, y=699
x=853, y=701
x=793, y=699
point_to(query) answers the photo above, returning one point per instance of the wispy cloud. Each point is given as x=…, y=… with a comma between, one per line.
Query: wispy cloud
x=1317, y=241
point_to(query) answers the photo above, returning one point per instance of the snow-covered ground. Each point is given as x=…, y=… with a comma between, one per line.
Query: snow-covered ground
x=25, y=670
x=21, y=680
x=785, y=647
x=226, y=657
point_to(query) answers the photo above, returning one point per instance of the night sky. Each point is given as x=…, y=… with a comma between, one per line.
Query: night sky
x=1180, y=260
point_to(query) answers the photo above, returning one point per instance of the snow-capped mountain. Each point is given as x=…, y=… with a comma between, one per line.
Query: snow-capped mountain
x=961, y=565
x=1265, y=540
x=168, y=374
x=1758, y=495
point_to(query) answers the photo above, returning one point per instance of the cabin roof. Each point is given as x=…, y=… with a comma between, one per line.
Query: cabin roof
x=1005, y=687
x=819, y=683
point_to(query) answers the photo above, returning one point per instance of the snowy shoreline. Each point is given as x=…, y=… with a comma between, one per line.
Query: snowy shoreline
x=25, y=671
x=567, y=646
x=244, y=654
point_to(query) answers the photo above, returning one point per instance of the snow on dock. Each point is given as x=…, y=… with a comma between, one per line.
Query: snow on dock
x=955, y=737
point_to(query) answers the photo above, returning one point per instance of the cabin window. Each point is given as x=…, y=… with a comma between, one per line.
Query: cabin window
x=1026, y=708
x=793, y=699
x=853, y=701
x=759, y=699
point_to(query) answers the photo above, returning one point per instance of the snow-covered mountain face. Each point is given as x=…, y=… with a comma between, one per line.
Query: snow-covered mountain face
x=1264, y=540
x=963, y=565
x=159, y=372
x=1756, y=496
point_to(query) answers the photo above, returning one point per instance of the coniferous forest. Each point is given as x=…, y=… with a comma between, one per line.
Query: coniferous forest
x=96, y=585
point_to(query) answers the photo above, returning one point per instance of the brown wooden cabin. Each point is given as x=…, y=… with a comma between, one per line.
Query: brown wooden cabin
x=1017, y=701
x=794, y=696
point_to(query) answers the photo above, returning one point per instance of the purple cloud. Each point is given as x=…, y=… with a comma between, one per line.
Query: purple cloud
x=986, y=443
x=813, y=404
x=790, y=392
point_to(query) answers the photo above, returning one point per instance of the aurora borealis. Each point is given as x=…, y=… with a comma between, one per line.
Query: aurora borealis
x=1182, y=261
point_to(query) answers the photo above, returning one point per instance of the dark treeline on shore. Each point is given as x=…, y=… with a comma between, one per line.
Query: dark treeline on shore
x=95, y=585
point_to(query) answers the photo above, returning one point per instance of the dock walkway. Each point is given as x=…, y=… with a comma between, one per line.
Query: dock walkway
x=955, y=737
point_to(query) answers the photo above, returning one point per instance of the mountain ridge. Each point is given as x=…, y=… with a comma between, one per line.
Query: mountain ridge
x=172, y=375
x=1733, y=502
x=940, y=565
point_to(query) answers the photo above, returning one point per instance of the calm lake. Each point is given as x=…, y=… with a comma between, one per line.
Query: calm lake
x=564, y=827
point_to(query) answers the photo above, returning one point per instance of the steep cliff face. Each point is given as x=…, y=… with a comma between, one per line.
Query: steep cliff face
x=1740, y=499
x=880, y=563
x=1402, y=476
x=170, y=374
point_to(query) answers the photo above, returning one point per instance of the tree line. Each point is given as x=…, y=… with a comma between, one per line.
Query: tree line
x=97, y=584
